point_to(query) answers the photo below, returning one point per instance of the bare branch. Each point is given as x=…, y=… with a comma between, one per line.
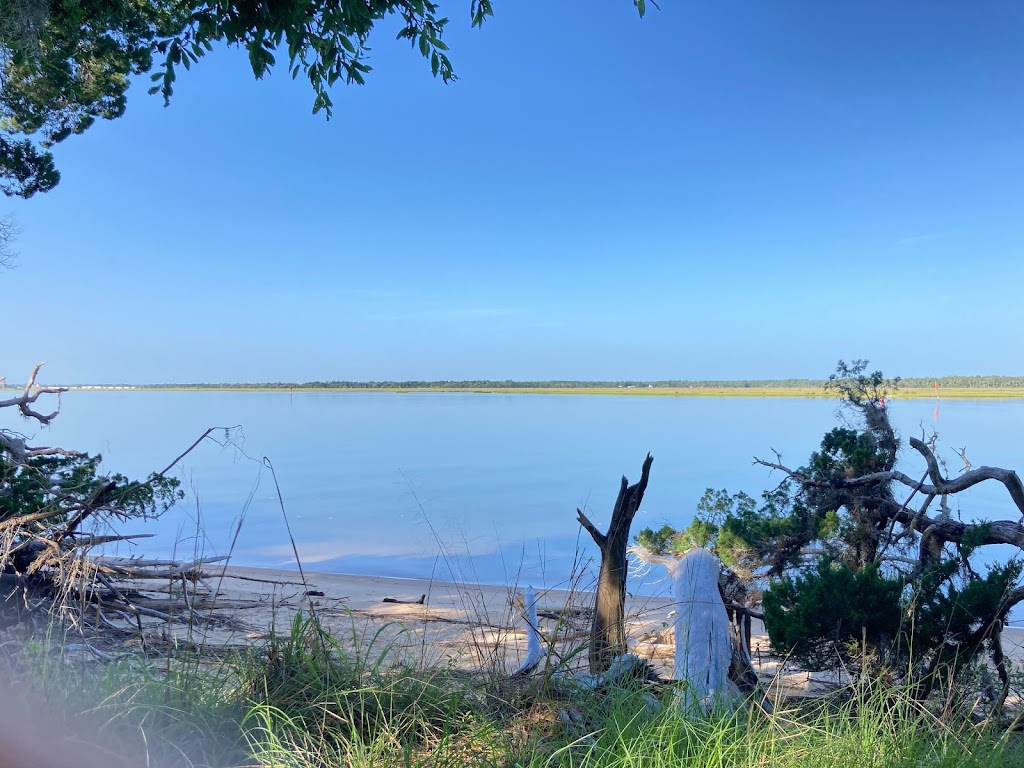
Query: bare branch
x=104, y=493
x=940, y=485
x=33, y=452
x=972, y=477
x=962, y=453
x=80, y=542
x=8, y=231
x=32, y=393
x=941, y=529
x=154, y=569
x=646, y=556
x=187, y=451
x=97, y=501
x=599, y=538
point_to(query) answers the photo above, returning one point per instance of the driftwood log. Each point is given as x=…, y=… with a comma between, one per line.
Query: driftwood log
x=608, y=630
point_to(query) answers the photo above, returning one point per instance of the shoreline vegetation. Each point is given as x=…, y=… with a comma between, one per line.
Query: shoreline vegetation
x=339, y=670
x=960, y=387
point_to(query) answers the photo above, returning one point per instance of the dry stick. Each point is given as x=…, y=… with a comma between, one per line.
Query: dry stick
x=175, y=570
x=231, y=549
x=135, y=610
x=100, y=498
x=94, y=540
x=187, y=451
x=130, y=606
x=902, y=509
x=291, y=538
x=260, y=581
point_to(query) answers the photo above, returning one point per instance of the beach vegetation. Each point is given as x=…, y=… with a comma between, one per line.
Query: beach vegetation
x=865, y=567
x=305, y=700
x=916, y=617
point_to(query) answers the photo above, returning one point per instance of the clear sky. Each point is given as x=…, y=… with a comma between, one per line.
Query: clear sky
x=720, y=190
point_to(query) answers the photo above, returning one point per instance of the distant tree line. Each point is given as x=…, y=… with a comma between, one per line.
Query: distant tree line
x=943, y=382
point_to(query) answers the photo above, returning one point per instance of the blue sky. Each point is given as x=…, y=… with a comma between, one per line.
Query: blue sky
x=720, y=190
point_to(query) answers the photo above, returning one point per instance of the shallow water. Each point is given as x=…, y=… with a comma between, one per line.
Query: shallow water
x=482, y=487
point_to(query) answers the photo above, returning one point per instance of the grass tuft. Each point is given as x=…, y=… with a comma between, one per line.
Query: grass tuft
x=306, y=700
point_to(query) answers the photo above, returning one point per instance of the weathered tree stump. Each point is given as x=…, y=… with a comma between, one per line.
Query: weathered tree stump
x=704, y=647
x=706, y=644
x=608, y=630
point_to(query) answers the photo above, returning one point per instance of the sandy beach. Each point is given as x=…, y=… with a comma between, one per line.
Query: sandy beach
x=430, y=622
x=444, y=624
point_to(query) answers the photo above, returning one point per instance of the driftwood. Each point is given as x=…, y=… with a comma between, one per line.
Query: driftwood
x=154, y=569
x=703, y=636
x=608, y=630
x=534, y=652
x=47, y=563
x=625, y=669
x=420, y=601
x=28, y=397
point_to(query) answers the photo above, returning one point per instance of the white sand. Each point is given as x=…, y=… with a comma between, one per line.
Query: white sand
x=462, y=625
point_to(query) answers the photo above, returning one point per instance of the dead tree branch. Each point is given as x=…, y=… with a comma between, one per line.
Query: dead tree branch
x=608, y=631
x=30, y=395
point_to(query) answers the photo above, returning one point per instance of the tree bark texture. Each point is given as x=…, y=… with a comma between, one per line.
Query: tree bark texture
x=608, y=631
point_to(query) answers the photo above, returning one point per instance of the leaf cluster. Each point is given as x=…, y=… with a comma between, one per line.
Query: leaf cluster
x=856, y=387
x=66, y=63
x=957, y=607
x=65, y=485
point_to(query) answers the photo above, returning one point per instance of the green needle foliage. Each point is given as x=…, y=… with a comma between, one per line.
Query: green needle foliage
x=857, y=567
x=50, y=495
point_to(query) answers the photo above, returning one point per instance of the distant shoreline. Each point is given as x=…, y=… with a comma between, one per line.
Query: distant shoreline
x=960, y=393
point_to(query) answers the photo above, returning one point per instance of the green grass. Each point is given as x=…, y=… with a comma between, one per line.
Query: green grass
x=301, y=701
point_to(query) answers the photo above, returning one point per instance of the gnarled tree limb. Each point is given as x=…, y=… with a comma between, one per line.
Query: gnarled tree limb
x=940, y=485
x=29, y=396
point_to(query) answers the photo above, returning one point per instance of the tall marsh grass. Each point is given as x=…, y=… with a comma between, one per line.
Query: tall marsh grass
x=305, y=700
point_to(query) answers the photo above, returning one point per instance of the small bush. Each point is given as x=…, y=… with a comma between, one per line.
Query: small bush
x=833, y=608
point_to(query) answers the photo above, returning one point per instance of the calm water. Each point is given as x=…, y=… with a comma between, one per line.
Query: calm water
x=476, y=486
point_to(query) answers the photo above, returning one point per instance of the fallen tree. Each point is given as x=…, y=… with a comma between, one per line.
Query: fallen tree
x=57, y=507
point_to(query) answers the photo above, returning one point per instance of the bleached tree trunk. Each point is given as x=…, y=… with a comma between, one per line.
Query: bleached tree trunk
x=703, y=637
x=704, y=645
